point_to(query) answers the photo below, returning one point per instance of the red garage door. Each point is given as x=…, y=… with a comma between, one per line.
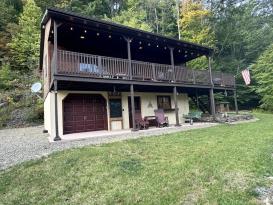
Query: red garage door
x=84, y=112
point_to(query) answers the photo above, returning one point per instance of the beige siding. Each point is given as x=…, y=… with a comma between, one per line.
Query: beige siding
x=146, y=99
x=151, y=98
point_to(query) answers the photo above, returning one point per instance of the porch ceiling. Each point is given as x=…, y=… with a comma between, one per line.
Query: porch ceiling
x=87, y=35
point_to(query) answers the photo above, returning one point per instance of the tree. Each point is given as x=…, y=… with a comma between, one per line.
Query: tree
x=263, y=74
x=134, y=16
x=9, y=16
x=24, y=45
x=195, y=27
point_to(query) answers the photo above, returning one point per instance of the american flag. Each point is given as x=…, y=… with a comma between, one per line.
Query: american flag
x=246, y=76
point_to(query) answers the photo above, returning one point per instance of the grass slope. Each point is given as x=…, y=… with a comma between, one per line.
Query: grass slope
x=218, y=165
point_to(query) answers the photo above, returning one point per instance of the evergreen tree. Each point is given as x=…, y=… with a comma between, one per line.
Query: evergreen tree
x=25, y=42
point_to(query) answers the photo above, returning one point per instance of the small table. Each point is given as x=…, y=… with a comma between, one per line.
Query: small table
x=152, y=120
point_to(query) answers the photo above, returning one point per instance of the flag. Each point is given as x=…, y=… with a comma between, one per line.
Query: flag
x=246, y=76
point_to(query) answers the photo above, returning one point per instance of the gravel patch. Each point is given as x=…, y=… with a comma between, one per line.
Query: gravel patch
x=22, y=144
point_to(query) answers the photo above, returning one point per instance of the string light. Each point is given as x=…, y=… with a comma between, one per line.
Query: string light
x=52, y=31
x=85, y=31
x=165, y=47
x=149, y=44
x=140, y=47
x=157, y=46
x=98, y=34
x=179, y=51
x=140, y=42
x=109, y=36
x=71, y=28
x=186, y=56
x=82, y=37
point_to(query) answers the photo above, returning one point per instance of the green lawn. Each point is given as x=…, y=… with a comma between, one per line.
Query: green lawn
x=217, y=165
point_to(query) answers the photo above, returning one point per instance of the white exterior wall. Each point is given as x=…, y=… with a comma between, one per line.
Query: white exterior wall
x=145, y=98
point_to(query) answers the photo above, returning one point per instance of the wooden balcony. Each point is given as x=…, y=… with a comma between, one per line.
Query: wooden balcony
x=93, y=66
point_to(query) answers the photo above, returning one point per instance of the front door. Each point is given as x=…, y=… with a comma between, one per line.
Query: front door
x=137, y=108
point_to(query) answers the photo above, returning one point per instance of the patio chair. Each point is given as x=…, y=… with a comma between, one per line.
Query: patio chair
x=161, y=120
x=140, y=122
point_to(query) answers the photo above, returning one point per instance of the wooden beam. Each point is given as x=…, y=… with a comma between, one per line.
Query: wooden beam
x=55, y=54
x=211, y=92
x=133, y=107
x=172, y=62
x=235, y=102
x=176, y=107
x=57, y=136
x=129, y=40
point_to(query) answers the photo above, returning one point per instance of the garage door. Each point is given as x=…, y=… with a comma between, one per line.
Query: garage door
x=84, y=112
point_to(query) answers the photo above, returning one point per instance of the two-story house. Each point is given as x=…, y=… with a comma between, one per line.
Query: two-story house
x=98, y=74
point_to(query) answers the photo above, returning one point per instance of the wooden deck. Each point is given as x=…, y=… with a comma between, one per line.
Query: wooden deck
x=94, y=66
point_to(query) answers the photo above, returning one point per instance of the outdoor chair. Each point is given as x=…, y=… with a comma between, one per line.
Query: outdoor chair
x=193, y=116
x=161, y=120
x=140, y=122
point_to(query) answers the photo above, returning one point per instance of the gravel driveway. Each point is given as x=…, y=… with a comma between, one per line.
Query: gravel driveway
x=22, y=144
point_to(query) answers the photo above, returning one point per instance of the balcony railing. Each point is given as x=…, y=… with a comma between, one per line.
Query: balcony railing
x=87, y=65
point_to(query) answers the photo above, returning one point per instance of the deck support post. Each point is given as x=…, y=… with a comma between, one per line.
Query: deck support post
x=133, y=107
x=211, y=93
x=235, y=102
x=172, y=63
x=57, y=136
x=176, y=107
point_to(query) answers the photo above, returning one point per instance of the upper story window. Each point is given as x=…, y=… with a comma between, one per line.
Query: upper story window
x=164, y=102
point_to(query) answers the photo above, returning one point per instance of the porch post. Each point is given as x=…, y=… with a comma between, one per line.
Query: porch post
x=57, y=137
x=172, y=63
x=235, y=101
x=55, y=54
x=128, y=40
x=133, y=107
x=211, y=93
x=176, y=107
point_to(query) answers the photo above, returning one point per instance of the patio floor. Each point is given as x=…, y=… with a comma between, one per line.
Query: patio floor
x=128, y=134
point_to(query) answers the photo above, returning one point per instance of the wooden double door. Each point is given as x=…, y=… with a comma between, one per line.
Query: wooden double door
x=83, y=113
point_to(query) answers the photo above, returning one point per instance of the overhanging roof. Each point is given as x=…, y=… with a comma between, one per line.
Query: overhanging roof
x=85, y=21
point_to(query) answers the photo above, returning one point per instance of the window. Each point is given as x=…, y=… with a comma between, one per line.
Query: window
x=115, y=108
x=164, y=102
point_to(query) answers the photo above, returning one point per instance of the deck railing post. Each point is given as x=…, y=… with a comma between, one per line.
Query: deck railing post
x=211, y=93
x=153, y=68
x=129, y=40
x=100, y=66
x=172, y=63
